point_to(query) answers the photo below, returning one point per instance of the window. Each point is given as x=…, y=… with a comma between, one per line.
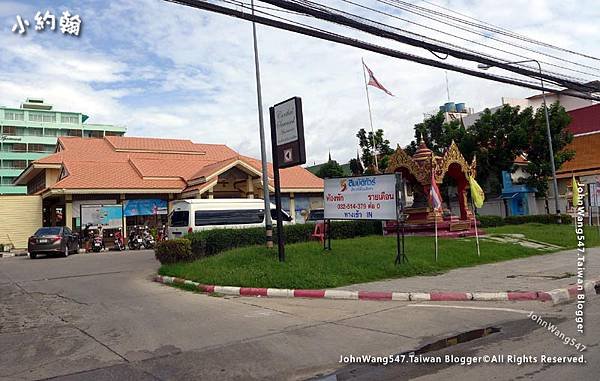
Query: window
x=15, y=164
x=73, y=132
x=180, y=219
x=94, y=134
x=228, y=217
x=286, y=216
x=14, y=115
x=19, y=147
x=49, y=118
x=50, y=132
x=72, y=119
x=7, y=180
x=33, y=131
x=37, y=183
x=36, y=117
x=9, y=130
x=37, y=148
x=48, y=231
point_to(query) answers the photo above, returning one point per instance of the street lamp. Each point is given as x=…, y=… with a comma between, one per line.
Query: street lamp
x=548, y=133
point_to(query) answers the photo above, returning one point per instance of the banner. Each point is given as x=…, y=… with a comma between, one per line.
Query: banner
x=107, y=216
x=361, y=198
x=144, y=207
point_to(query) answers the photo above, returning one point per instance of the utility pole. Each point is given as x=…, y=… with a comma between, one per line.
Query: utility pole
x=263, y=153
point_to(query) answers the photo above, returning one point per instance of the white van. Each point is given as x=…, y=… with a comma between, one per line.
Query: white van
x=202, y=214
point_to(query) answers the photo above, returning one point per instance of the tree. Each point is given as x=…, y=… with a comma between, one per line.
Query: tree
x=356, y=166
x=330, y=169
x=382, y=148
x=497, y=138
x=539, y=167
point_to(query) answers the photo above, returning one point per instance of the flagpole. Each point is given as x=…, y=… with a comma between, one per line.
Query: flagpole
x=370, y=116
x=476, y=231
x=436, y=234
x=434, y=209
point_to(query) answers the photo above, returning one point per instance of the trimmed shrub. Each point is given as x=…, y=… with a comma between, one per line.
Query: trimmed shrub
x=210, y=242
x=539, y=218
x=490, y=221
x=174, y=250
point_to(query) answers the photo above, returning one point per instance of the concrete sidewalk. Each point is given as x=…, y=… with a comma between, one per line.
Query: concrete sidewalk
x=543, y=272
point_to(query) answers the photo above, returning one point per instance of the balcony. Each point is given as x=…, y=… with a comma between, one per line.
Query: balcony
x=12, y=189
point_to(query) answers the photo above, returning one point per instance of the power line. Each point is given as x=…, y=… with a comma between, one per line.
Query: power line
x=399, y=5
x=508, y=32
x=367, y=46
x=464, y=39
x=339, y=17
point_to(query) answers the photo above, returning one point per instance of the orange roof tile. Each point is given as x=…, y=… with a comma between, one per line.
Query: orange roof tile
x=149, y=163
x=122, y=143
x=291, y=178
x=110, y=175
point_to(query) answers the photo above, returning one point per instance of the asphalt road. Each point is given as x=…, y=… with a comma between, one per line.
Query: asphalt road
x=100, y=317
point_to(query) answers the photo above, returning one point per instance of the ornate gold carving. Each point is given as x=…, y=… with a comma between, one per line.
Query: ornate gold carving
x=421, y=169
x=400, y=159
x=453, y=156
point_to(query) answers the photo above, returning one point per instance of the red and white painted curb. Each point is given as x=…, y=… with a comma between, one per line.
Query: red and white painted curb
x=556, y=296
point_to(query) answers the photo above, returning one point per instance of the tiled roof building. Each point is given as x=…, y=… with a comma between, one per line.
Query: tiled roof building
x=118, y=168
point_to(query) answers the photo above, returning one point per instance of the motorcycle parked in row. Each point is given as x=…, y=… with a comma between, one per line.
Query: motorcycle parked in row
x=134, y=240
x=161, y=234
x=118, y=240
x=97, y=241
x=147, y=239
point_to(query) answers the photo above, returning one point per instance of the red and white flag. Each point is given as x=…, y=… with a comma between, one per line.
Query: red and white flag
x=374, y=82
x=435, y=195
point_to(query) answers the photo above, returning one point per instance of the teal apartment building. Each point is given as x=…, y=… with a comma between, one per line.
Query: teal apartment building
x=30, y=132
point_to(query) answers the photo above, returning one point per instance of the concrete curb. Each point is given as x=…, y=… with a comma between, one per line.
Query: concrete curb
x=5, y=254
x=557, y=296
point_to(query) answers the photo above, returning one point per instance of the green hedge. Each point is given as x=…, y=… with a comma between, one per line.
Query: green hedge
x=174, y=250
x=210, y=242
x=492, y=221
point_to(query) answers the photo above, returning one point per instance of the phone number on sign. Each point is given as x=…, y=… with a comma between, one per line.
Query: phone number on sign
x=359, y=206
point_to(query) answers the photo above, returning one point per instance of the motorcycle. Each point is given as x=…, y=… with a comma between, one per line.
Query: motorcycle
x=162, y=234
x=97, y=244
x=147, y=239
x=119, y=245
x=134, y=241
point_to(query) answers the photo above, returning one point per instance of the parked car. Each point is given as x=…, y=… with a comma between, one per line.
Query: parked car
x=53, y=240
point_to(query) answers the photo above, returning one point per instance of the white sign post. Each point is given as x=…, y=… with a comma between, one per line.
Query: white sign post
x=361, y=198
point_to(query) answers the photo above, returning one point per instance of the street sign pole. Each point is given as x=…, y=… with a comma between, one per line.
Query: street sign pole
x=280, y=233
x=287, y=142
x=400, y=217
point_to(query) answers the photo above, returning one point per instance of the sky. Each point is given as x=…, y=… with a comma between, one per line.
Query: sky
x=170, y=71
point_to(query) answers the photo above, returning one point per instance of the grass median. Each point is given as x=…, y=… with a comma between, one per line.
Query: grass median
x=363, y=259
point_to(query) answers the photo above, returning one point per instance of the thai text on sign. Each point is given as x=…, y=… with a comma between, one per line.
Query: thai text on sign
x=361, y=198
